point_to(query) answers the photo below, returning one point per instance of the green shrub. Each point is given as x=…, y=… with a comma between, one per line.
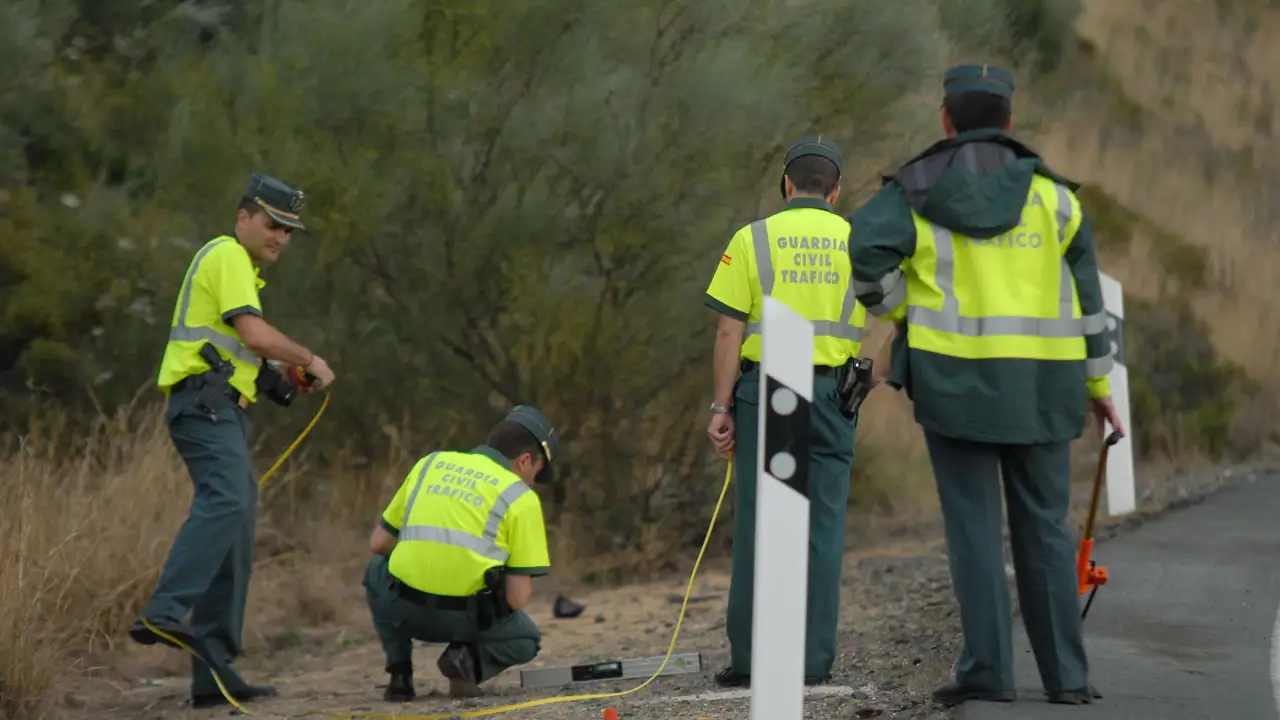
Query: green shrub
x=1183, y=395
x=1036, y=32
x=1113, y=224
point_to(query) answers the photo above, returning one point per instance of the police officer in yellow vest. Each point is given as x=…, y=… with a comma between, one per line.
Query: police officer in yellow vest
x=984, y=258
x=797, y=256
x=213, y=369
x=455, y=553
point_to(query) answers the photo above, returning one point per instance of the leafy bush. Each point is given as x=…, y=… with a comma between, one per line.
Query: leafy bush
x=1037, y=32
x=1184, y=397
x=509, y=203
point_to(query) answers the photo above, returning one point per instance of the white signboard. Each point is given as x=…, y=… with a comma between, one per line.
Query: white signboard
x=1121, y=495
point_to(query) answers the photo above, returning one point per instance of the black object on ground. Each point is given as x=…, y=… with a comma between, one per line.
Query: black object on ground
x=566, y=608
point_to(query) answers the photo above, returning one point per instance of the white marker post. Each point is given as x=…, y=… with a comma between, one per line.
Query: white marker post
x=1121, y=494
x=782, y=515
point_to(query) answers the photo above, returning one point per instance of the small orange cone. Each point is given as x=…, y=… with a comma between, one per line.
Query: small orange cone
x=610, y=713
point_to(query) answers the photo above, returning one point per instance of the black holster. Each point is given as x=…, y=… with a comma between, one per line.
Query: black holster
x=213, y=394
x=492, y=606
x=853, y=384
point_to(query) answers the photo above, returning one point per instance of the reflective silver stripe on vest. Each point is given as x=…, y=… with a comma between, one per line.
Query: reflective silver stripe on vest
x=841, y=330
x=485, y=544
x=949, y=320
x=182, y=333
x=892, y=288
x=1098, y=367
x=413, y=494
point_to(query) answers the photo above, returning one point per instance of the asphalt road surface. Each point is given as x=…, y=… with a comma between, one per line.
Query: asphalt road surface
x=1184, y=627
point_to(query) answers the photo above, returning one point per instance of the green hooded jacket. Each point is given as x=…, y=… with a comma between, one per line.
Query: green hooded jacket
x=976, y=184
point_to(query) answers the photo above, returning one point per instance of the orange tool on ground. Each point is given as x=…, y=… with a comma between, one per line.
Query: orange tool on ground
x=1089, y=574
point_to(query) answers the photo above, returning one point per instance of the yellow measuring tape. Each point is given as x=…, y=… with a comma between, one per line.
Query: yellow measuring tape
x=337, y=715
x=296, y=441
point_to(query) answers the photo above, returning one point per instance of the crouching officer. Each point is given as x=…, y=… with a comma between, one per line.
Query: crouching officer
x=455, y=553
x=798, y=257
x=987, y=256
x=212, y=370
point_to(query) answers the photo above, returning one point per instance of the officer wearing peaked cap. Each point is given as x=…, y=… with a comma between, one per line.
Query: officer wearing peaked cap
x=455, y=553
x=213, y=369
x=982, y=256
x=799, y=257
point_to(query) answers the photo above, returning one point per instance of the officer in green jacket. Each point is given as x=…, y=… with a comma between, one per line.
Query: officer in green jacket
x=212, y=371
x=983, y=257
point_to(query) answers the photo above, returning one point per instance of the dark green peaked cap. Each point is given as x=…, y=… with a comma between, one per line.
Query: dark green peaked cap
x=819, y=145
x=540, y=427
x=281, y=202
x=978, y=77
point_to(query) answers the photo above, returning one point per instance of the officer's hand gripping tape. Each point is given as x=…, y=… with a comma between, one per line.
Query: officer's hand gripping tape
x=282, y=388
x=853, y=384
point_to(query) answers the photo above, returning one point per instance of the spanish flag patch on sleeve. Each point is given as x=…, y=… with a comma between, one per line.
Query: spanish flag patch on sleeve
x=726, y=259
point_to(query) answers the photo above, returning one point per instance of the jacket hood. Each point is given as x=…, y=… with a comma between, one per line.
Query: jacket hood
x=975, y=183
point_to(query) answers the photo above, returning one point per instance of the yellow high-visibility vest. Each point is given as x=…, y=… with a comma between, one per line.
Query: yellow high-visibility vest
x=799, y=256
x=458, y=514
x=1010, y=296
x=221, y=282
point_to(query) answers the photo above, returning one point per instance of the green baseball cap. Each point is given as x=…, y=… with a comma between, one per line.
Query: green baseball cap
x=540, y=427
x=819, y=145
x=978, y=77
x=282, y=203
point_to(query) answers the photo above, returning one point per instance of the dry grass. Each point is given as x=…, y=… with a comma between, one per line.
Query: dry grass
x=1196, y=170
x=86, y=525
x=83, y=533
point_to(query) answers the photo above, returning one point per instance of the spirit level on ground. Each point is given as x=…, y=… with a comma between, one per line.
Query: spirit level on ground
x=679, y=664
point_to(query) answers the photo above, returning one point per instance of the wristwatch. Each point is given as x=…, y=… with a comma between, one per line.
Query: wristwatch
x=719, y=409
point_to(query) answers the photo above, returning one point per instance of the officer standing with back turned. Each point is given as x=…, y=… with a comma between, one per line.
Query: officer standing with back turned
x=212, y=370
x=799, y=257
x=455, y=553
x=982, y=255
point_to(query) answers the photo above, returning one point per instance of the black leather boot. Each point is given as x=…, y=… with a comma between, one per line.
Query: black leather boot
x=247, y=694
x=400, y=686
x=953, y=693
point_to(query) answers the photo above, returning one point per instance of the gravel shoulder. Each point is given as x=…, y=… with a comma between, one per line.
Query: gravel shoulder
x=898, y=636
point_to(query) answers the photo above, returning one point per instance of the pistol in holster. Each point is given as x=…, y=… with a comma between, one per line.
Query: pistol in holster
x=853, y=384
x=213, y=394
x=493, y=607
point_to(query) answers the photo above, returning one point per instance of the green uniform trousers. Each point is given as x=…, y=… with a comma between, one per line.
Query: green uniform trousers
x=512, y=641
x=830, y=462
x=207, y=572
x=1037, y=490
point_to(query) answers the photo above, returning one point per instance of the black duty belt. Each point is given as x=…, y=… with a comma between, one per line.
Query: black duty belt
x=746, y=366
x=196, y=383
x=426, y=599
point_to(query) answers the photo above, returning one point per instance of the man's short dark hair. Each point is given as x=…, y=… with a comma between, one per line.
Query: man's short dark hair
x=512, y=440
x=814, y=174
x=977, y=111
x=250, y=206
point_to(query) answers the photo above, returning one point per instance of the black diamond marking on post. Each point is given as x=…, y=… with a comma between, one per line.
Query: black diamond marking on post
x=1115, y=324
x=786, y=433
